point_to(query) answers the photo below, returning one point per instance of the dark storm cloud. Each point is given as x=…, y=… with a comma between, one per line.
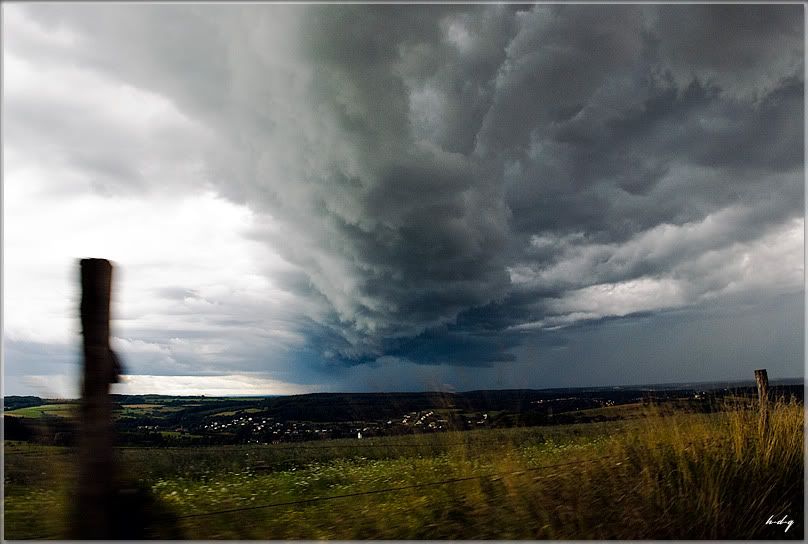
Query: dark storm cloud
x=441, y=175
x=745, y=49
x=557, y=60
x=453, y=347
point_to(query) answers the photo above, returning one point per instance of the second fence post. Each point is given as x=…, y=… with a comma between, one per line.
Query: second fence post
x=762, y=381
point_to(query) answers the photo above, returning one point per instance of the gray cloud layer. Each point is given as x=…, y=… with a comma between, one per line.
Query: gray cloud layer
x=445, y=178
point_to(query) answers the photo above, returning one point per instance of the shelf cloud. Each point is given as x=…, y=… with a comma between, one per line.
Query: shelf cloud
x=418, y=185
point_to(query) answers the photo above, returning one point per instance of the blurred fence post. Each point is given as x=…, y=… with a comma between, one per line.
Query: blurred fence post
x=95, y=471
x=762, y=380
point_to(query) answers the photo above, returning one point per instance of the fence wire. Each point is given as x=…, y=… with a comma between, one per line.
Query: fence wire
x=492, y=475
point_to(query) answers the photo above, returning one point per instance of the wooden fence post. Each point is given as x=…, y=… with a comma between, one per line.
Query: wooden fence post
x=96, y=471
x=762, y=380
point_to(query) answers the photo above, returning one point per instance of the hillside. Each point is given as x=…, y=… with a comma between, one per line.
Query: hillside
x=664, y=474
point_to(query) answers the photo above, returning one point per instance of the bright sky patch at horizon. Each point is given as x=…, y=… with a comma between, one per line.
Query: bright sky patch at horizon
x=306, y=198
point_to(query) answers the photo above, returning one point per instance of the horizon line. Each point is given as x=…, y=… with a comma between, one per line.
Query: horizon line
x=436, y=391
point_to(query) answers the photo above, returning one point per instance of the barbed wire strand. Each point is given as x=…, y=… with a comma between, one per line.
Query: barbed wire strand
x=391, y=489
x=272, y=447
x=374, y=491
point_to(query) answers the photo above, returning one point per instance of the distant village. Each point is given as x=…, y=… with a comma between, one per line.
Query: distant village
x=268, y=430
x=155, y=420
x=250, y=426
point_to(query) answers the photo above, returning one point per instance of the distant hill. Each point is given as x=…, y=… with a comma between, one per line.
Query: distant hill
x=15, y=402
x=376, y=406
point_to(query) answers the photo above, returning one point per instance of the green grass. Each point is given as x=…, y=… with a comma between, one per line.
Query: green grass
x=225, y=413
x=667, y=475
x=147, y=410
x=238, y=411
x=58, y=410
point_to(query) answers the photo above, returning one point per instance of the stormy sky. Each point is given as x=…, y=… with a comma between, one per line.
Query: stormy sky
x=405, y=197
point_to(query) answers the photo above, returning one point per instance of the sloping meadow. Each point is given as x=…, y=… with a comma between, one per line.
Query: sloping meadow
x=684, y=476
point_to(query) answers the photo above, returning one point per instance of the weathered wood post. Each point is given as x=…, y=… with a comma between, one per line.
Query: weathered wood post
x=96, y=471
x=762, y=380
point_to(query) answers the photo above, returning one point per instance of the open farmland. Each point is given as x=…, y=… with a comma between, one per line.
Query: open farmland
x=45, y=410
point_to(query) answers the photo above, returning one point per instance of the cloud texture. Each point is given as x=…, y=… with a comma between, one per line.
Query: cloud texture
x=440, y=182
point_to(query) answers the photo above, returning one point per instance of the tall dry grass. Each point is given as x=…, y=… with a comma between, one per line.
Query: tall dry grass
x=665, y=475
x=689, y=476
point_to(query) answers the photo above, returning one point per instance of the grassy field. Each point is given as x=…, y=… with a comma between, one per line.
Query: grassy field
x=58, y=410
x=234, y=412
x=665, y=475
